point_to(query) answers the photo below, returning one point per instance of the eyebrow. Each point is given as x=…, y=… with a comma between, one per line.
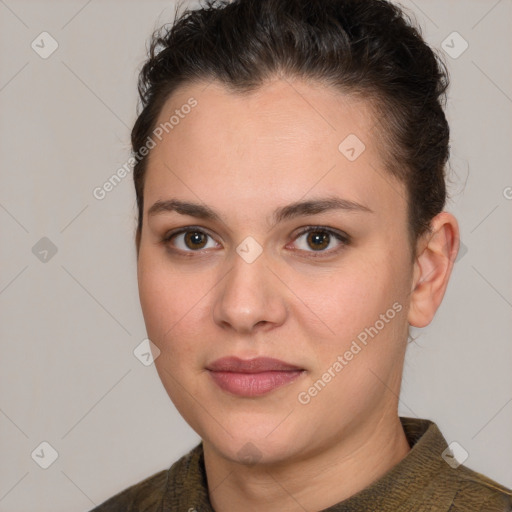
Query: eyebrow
x=290, y=211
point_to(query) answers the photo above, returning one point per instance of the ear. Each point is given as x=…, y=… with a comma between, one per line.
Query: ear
x=435, y=255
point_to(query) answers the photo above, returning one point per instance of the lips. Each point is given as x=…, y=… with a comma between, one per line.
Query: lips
x=257, y=365
x=252, y=377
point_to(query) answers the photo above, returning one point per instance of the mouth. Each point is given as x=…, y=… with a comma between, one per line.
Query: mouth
x=252, y=377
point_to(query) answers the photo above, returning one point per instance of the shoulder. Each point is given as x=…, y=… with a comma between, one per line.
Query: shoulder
x=476, y=492
x=148, y=495
x=452, y=486
x=144, y=496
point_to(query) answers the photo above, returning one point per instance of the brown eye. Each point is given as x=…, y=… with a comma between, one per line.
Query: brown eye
x=318, y=240
x=190, y=240
x=195, y=239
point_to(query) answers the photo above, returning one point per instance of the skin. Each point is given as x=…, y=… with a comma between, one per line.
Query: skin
x=245, y=156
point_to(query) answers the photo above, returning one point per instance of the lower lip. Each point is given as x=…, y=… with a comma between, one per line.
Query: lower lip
x=253, y=384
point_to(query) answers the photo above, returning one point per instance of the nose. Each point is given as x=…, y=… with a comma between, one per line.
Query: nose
x=250, y=298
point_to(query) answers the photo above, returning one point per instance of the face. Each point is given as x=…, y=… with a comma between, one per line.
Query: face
x=268, y=234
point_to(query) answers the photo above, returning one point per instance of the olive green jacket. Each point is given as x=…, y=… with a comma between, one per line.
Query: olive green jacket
x=425, y=480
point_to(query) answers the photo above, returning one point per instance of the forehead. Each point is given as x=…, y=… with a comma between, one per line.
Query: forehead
x=281, y=141
x=281, y=112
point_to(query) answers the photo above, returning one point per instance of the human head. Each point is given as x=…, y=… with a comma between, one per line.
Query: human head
x=250, y=146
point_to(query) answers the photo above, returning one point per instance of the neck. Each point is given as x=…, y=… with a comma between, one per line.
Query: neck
x=319, y=481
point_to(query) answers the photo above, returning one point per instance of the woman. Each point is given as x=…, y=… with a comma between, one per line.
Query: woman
x=289, y=170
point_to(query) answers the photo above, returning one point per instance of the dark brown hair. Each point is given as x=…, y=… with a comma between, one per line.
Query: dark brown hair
x=366, y=48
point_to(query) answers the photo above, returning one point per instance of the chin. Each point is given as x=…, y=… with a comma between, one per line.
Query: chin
x=251, y=440
x=249, y=451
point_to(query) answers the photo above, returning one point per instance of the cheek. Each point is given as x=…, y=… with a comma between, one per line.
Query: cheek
x=363, y=307
x=159, y=293
x=174, y=308
x=174, y=304
x=353, y=296
x=363, y=302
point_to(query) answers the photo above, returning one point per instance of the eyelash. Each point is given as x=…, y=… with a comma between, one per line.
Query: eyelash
x=343, y=238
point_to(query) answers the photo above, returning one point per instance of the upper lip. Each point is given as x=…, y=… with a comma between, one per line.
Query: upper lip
x=256, y=365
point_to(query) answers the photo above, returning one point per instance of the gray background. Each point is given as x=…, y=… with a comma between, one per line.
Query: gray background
x=69, y=325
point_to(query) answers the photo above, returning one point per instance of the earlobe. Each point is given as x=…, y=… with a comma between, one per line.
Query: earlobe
x=437, y=251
